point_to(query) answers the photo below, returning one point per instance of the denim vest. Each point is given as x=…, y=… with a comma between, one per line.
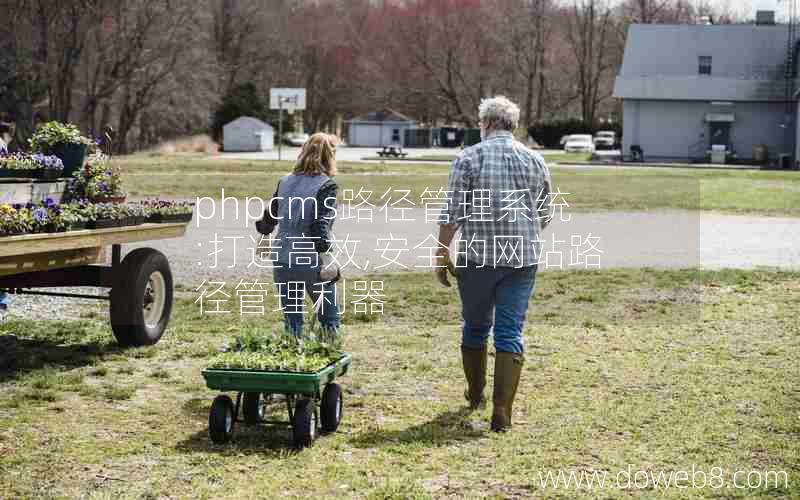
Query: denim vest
x=297, y=210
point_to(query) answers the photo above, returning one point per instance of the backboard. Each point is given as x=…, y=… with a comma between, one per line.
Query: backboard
x=287, y=99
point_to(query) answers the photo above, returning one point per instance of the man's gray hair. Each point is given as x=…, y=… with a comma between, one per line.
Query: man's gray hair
x=498, y=113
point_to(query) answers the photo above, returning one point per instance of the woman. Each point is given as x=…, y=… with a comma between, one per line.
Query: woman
x=304, y=208
x=6, y=131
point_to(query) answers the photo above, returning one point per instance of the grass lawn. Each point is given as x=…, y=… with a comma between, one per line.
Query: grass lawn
x=629, y=188
x=663, y=370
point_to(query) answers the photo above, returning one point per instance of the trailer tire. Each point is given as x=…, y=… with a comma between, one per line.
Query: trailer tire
x=141, y=298
x=331, y=408
x=221, y=419
x=304, y=423
x=252, y=408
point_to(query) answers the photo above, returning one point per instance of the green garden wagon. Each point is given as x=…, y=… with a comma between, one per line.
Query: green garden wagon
x=313, y=400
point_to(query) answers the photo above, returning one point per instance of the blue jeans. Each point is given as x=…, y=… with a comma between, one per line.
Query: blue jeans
x=495, y=296
x=293, y=285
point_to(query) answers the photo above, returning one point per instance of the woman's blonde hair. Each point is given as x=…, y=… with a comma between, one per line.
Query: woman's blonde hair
x=318, y=156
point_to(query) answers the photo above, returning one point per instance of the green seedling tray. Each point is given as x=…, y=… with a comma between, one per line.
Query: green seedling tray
x=275, y=382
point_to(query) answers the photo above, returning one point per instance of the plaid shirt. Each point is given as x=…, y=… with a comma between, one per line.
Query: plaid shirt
x=499, y=196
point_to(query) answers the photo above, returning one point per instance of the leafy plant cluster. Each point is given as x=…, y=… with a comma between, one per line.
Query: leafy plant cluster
x=46, y=216
x=98, y=179
x=167, y=207
x=281, y=351
x=36, y=161
x=50, y=134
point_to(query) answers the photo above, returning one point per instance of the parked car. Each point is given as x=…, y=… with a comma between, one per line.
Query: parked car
x=605, y=139
x=295, y=139
x=579, y=143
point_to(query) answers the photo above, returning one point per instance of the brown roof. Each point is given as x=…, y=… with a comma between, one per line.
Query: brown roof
x=386, y=115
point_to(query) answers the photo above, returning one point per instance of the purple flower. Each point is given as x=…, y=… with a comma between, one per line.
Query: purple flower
x=40, y=215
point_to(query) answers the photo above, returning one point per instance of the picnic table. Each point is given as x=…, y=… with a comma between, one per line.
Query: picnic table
x=392, y=152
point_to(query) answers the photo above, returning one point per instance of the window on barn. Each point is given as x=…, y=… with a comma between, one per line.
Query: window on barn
x=396, y=135
x=704, y=65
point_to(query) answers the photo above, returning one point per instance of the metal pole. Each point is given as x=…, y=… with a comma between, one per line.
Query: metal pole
x=280, y=127
x=20, y=291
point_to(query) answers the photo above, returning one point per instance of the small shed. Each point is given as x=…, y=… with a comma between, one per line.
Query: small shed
x=248, y=134
x=378, y=129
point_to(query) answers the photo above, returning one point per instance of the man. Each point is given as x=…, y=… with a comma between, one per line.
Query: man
x=498, y=196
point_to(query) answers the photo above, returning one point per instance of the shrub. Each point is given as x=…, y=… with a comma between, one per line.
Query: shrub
x=242, y=100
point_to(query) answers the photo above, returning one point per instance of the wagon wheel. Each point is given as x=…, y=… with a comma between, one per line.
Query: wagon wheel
x=141, y=298
x=253, y=408
x=304, y=423
x=221, y=419
x=331, y=408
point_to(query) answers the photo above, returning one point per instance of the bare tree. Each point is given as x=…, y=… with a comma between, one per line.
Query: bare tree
x=166, y=43
x=238, y=37
x=530, y=32
x=589, y=31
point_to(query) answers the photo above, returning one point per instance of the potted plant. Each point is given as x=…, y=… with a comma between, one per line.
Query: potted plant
x=30, y=166
x=14, y=220
x=98, y=181
x=161, y=211
x=73, y=216
x=50, y=166
x=103, y=215
x=18, y=165
x=42, y=222
x=63, y=140
x=136, y=213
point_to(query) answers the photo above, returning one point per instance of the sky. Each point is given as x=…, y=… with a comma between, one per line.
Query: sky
x=749, y=7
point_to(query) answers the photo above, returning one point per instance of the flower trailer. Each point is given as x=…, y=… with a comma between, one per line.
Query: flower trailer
x=140, y=283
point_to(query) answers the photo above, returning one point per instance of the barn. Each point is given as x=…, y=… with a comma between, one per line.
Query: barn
x=378, y=129
x=248, y=134
x=687, y=89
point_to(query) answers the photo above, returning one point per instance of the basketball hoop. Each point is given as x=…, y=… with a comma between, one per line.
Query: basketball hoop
x=289, y=100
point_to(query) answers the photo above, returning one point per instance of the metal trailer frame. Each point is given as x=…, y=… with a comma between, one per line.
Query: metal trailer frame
x=78, y=259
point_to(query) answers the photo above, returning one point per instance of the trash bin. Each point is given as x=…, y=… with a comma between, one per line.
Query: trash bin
x=760, y=154
x=472, y=136
x=637, y=153
x=719, y=154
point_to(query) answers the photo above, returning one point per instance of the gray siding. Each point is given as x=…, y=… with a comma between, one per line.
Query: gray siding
x=681, y=88
x=247, y=134
x=738, y=51
x=661, y=62
x=376, y=135
x=669, y=129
